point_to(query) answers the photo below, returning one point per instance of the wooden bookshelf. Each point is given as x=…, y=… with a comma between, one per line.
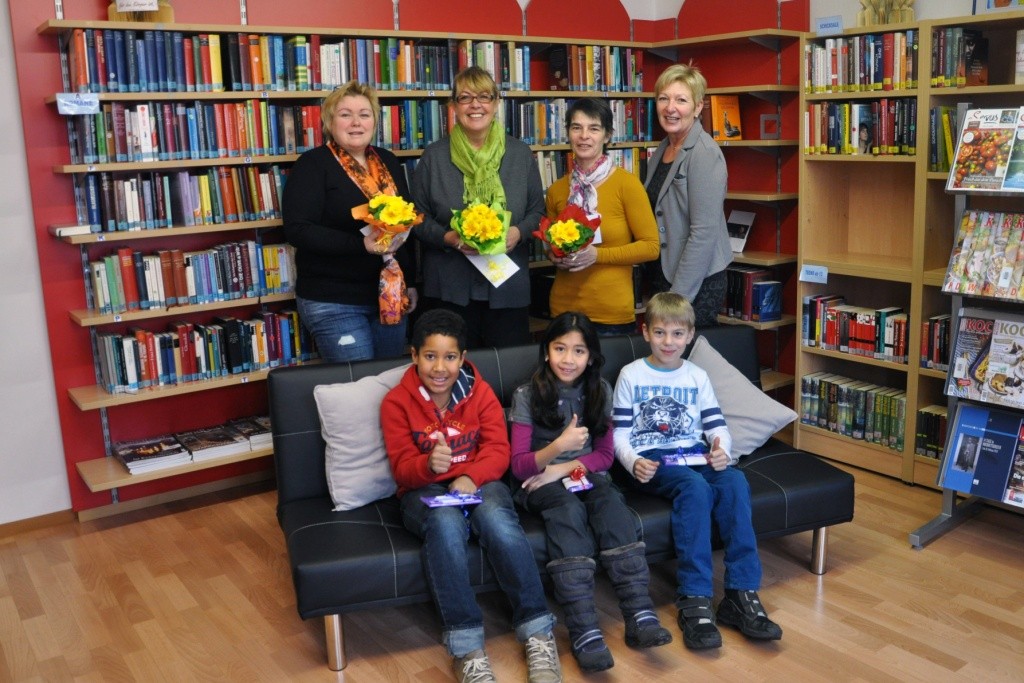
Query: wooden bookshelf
x=177, y=231
x=104, y=474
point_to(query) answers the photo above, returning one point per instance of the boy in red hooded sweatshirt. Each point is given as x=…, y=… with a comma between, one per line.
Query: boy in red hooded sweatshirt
x=444, y=431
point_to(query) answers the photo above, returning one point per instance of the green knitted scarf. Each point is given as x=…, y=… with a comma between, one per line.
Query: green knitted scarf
x=480, y=166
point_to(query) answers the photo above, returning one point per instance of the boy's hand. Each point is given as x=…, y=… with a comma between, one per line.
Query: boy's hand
x=463, y=484
x=644, y=469
x=718, y=458
x=441, y=457
x=573, y=438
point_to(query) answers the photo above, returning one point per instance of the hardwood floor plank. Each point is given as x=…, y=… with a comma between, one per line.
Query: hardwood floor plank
x=201, y=591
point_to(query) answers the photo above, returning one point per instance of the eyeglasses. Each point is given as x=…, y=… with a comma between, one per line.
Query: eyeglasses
x=482, y=98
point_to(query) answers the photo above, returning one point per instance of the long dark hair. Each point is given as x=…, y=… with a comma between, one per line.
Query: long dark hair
x=544, y=384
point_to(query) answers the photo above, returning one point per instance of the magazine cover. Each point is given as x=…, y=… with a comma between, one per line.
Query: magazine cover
x=968, y=366
x=1004, y=378
x=983, y=150
x=984, y=449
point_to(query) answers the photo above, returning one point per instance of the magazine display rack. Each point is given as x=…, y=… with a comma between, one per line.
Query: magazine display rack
x=896, y=256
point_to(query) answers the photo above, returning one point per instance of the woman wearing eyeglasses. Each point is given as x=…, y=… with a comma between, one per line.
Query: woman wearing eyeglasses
x=477, y=162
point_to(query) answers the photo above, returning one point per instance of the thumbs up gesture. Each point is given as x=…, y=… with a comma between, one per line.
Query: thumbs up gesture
x=718, y=458
x=440, y=459
x=573, y=438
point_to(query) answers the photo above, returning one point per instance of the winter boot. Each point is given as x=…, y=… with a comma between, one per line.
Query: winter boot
x=627, y=569
x=573, y=578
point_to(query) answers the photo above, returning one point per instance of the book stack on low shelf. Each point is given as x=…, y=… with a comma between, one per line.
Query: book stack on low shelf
x=256, y=429
x=942, y=132
x=854, y=409
x=745, y=300
x=959, y=57
x=213, y=442
x=931, y=431
x=935, y=338
x=146, y=455
x=883, y=127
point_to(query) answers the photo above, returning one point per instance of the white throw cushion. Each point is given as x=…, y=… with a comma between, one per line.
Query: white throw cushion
x=751, y=415
x=358, y=471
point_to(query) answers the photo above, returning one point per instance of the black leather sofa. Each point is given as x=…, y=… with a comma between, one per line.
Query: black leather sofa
x=363, y=558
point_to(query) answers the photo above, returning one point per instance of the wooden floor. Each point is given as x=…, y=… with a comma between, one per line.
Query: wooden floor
x=201, y=592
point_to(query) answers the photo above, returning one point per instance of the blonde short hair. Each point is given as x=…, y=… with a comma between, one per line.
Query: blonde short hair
x=669, y=307
x=350, y=89
x=474, y=79
x=688, y=75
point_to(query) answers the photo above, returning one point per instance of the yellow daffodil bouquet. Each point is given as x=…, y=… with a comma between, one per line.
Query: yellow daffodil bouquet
x=571, y=231
x=483, y=227
x=389, y=214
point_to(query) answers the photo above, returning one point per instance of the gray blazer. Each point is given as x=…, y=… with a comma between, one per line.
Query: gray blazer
x=437, y=186
x=690, y=212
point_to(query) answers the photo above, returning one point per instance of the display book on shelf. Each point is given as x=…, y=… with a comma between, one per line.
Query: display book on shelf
x=171, y=103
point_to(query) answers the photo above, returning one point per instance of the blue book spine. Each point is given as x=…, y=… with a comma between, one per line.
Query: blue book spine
x=131, y=60
x=148, y=205
x=193, y=134
x=285, y=335
x=277, y=59
x=141, y=65
x=92, y=59
x=160, y=53
x=361, y=59
x=92, y=202
x=276, y=144
x=110, y=59
x=177, y=59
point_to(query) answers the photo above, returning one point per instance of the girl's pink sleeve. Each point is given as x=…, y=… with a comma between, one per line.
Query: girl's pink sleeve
x=603, y=453
x=524, y=461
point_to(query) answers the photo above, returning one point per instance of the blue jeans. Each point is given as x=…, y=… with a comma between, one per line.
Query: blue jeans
x=606, y=330
x=344, y=332
x=581, y=524
x=698, y=495
x=445, y=560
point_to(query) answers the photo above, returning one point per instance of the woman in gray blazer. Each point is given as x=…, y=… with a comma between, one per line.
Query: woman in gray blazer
x=686, y=183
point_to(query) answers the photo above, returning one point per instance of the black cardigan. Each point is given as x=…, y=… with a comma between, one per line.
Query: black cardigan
x=333, y=265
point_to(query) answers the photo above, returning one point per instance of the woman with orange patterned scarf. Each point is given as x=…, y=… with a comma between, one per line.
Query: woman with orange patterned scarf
x=342, y=272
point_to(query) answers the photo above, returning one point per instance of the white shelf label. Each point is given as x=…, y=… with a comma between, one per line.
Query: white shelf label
x=819, y=274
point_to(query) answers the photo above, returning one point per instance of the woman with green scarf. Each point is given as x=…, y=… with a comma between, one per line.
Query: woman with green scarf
x=478, y=162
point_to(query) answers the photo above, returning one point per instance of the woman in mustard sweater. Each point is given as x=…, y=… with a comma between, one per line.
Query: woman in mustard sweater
x=598, y=280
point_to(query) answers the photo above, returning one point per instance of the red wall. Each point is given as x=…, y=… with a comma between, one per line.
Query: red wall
x=38, y=70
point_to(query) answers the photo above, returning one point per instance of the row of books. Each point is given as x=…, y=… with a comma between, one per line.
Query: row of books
x=959, y=57
x=987, y=362
x=987, y=258
x=885, y=61
x=194, y=352
x=935, y=342
x=752, y=293
x=195, y=445
x=595, y=67
x=172, y=131
x=886, y=126
x=942, y=132
x=930, y=436
x=989, y=155
x=833, y=325
x=855, y=409
x=112, y=202
x=112, y=60
x=130, y=280
x=986, y=454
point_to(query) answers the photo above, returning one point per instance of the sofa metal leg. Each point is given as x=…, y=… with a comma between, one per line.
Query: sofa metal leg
x=819, y=550
x=335, y=642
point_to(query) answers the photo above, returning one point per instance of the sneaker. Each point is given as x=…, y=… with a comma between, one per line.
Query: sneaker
x=473, y=668
x=644, y=630
x=592, y=653
x=743, y=610
x=697, y=622
x=542, y=665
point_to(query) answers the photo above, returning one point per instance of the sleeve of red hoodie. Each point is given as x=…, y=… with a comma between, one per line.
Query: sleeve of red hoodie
x=408, y=463
x=493, y=453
